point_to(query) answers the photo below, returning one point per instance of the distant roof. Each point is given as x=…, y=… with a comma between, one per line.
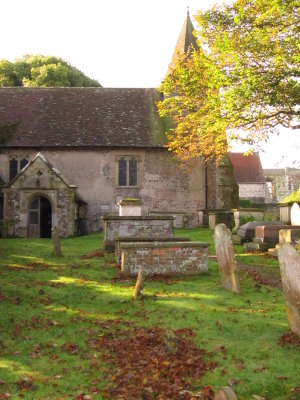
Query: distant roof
x=185, y=41
x=247, y=169
x=82, y=117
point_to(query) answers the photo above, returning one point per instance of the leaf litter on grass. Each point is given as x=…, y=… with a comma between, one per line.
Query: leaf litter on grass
x=143, y=368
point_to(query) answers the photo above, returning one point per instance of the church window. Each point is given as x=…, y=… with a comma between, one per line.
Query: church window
x=127, y=171
x=16, y=164
x=23, y=163
x=13, y=168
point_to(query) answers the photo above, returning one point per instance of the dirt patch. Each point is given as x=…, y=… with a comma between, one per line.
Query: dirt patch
x=261, y=275
x=168, y=279
x=93, y=254
x=145, y=369
x=290, y=339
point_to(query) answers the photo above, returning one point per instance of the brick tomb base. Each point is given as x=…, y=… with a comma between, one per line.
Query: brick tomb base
x=135, y=239
x=164, y=258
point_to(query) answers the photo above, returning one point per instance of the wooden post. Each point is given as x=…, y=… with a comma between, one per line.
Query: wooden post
x=138, y=290
x=56, y=242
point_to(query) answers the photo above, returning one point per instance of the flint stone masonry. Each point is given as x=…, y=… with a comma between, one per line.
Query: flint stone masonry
x=135, y=239
x=143, y=227
x=181, y=218
x=164, y=258
x=289, y=260
x=221, y=217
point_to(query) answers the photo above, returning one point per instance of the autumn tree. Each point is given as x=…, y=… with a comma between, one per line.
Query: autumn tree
x=37, y=70
x=245, y=77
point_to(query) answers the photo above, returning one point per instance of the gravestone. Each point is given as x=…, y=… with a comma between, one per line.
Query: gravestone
x=226, y=259
x=225, y=393
x=289, y=260
x=138, y=290
x=295, y=215
x=56, y=242
x=247, y=232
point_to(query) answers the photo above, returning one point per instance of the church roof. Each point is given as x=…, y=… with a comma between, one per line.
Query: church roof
x=82, y=117
x=247, y=169
x=185, y=41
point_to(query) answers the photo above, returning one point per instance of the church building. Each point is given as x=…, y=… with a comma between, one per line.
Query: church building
x=78, y=151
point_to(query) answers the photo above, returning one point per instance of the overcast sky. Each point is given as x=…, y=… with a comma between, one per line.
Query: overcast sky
x=120, y=43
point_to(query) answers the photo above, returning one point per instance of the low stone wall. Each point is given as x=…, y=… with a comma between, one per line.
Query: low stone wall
x=164, y=258
x=135, y=239
x=180, y=218
x=143, y=227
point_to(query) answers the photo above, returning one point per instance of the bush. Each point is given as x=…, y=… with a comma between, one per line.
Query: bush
x=295, y=196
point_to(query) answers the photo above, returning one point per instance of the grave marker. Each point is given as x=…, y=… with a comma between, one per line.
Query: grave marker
x=226, y=259
x=56, y=242
x=295, y=215
x=138, y=290
x=289, y=260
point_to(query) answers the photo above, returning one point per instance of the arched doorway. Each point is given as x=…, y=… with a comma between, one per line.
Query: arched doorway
x=40, y=218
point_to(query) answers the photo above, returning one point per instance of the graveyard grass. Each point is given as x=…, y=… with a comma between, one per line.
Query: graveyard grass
x=51, y=310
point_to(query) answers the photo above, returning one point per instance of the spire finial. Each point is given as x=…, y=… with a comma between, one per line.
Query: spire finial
x=188, y=11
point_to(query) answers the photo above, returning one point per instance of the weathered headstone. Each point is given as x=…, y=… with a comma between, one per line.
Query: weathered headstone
x=56, y=242
x=170, y=341
x=295, y=215
x=225, y=393
x=289, y=260
x=138, y=290
x=226, y=259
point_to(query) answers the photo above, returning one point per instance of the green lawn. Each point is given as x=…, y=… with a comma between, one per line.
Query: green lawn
x=57, y=314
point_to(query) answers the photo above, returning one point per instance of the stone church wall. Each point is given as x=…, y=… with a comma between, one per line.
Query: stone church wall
x=162, y=185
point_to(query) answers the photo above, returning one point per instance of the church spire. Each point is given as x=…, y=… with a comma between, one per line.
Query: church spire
x=185, y=41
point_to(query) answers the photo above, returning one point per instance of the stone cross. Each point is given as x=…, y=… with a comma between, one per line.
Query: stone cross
x=138, y=290
x=289, y=260
x=226, y=259
x=56, y=242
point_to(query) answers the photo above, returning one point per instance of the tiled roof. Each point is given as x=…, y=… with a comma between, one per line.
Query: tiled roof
x=80, y=117
x=247, y=169
x=185, y=41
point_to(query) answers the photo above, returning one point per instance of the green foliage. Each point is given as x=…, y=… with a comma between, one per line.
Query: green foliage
x=295, y=196
x=7, y=131
x=244, y=79
x=255, y=44
x=38, y=70
x=245, y=220
x=54, y=313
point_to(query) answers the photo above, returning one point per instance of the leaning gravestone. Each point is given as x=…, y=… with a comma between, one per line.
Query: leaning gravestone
x=289, y=260
x=226, y=259
x=56, y=242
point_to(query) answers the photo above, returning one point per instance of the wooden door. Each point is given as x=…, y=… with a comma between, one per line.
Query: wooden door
x=34, y=218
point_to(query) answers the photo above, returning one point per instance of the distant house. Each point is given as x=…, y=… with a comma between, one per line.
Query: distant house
x=282, y=182
x=249, y=175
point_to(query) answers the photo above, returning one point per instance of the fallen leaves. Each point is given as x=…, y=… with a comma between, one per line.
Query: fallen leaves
x=290, y=338
x=145, y=369
x=70, y=348
x=93, y=254
x=25, y=383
